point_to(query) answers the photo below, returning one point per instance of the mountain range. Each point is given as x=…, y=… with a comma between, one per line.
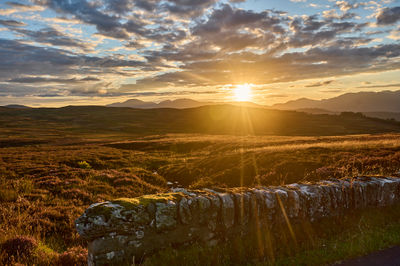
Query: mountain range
x=176, y=104
x=364, y=102
x=384, y=104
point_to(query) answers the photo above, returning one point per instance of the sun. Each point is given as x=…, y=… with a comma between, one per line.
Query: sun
x=243, y=92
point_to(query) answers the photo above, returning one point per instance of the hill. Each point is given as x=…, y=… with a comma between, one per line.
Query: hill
x=213, y=119
x=384, y=101
x=381, y=115
x=384, y=115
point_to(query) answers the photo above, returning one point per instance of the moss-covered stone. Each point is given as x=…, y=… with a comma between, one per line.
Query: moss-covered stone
x=145, y=200
x=102, y=209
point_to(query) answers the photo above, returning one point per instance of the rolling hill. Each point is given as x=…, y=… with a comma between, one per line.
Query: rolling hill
x=213, y=119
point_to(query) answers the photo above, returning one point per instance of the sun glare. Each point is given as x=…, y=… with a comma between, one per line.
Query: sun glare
x=243, y=92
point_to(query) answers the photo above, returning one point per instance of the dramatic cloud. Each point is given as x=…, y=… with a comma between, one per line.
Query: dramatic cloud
x=22, y=59
x=146, y=48
x=314, y=63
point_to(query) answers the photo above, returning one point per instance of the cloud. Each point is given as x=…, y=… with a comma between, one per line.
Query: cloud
x=24, y=6
x=345, y=6
x=18, y=7
x=319, y=84
x=121, y=19
x=229, y=19
x=332, y=14
x=53, y=37
x=20, y=59
x=188, y=8
x=51, y=80
x=12, y=23
x=332, y=91
x=395, y=34
x=388, y=16
x=391, y=85
x=263, y=69
x=106, y=24
x=308, y=30
x=187, y=45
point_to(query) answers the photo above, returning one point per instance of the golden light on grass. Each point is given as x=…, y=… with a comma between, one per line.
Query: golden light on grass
x=243, y=92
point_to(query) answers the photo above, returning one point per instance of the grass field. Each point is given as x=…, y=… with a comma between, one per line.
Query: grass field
x=49, y=174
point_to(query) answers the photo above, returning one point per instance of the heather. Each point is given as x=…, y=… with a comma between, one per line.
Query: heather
x=50, y=174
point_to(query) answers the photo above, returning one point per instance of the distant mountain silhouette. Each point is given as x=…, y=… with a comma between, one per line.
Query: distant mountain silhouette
x=365, y=102
x=16, y=106
x=133, y=103
x=176, y=104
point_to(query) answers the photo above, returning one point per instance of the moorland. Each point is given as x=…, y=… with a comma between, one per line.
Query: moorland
x=55, y=162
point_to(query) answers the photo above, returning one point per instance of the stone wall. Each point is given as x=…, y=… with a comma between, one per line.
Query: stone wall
x=125, y=230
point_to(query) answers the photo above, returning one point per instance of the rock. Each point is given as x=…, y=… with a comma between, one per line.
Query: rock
x=227, y=210
x=242, y=208
x=184, y=211
x=270, y=200
x=214, y=212
x=204, y=206
x=110, y=217
x=281, y=206
x=293, y=203
x=166, y=215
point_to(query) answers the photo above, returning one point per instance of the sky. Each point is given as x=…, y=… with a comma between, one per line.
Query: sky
x=94, y=52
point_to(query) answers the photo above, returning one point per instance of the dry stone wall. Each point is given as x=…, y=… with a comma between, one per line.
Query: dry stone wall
x=125, y=230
